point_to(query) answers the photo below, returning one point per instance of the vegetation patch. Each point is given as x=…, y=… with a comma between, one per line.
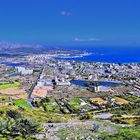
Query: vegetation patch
x=100, y=131
x=75, y=100
x=52, y=108
x=131, y=108
x=6, y=85
x=22, y=103
x=12, y=122
x=125, y=119
x=121, y=100
x=4, y=99
x=98, y=100
x=85, y=130
x=132, y=98
x=124, y=133
x=38, y=114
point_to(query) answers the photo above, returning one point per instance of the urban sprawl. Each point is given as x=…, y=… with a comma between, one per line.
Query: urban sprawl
x=66, y=96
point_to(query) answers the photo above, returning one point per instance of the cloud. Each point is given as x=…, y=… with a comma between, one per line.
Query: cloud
x=85, y=40
x=66, y=13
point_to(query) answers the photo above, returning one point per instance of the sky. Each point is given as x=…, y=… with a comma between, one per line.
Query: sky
x=70, y=21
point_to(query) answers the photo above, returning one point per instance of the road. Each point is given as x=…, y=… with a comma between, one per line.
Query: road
x=35, y=83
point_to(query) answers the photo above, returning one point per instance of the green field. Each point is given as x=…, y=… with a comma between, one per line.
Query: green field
x=22, y=103
x=10, y=85
x=75, y=101
x=53, y=108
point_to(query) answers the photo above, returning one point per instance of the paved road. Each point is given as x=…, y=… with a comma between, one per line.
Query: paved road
x=33, y=86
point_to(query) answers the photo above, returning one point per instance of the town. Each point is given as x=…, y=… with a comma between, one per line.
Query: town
x=81, y=90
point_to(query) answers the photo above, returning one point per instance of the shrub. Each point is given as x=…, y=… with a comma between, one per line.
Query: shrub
x=13, y=114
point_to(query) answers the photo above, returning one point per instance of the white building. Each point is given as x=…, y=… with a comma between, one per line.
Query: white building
x=98, y=88
x=63, y=83
x=24, y=71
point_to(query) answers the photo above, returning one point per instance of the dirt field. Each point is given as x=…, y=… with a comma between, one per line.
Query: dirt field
x=41, y=91
x=15, y=93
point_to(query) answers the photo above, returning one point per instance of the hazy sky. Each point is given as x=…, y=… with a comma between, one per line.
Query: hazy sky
x=70, y=21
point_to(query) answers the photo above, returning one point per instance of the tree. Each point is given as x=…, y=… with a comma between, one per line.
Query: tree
x=26, y=128
x=92, y=84
x=13, y=114
x=19, y=129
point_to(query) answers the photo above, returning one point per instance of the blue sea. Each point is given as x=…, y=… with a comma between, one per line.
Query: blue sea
x=113, y=54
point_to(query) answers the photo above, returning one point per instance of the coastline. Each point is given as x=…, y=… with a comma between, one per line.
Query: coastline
x=105, y=54
x=67, y=56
